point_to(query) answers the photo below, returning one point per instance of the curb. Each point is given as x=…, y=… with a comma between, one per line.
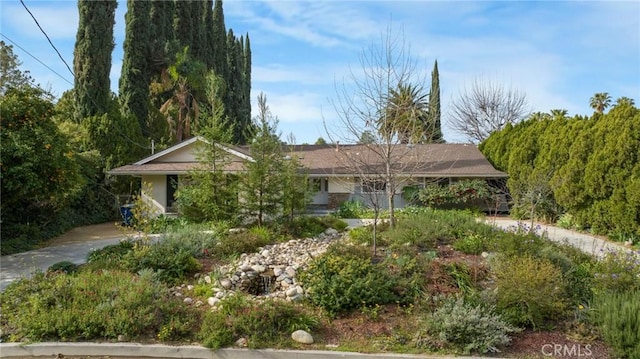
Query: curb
x=15, y=350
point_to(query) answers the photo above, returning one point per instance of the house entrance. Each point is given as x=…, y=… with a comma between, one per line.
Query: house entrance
x=172, y=185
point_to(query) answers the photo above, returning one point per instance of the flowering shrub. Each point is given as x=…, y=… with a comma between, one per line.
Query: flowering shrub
x=617, y=272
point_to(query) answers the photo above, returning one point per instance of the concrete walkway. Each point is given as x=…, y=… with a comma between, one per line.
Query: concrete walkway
x=595, y=245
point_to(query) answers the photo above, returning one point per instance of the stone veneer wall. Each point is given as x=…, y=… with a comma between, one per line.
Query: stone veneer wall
x=334, y=200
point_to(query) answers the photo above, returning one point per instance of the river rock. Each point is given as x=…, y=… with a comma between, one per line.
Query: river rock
x=301, y=336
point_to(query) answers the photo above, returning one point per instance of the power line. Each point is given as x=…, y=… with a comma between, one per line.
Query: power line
x=68, y=68
x=47, y=36
x=35, y=58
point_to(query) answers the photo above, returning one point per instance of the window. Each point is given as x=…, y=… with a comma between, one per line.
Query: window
x=369, y=186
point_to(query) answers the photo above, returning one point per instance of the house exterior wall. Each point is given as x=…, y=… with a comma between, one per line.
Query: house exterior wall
x=184, y=154
x=158, y=184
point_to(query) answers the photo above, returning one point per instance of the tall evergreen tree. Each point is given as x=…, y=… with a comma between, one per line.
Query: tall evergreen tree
x=219, y=33
x=163, y=46
x=184, y=23
x=235, y=86
x=434, y=105
x=245, y=115
x=262, y=184
x=136, y=73
x=208, y=49
x=92, y=57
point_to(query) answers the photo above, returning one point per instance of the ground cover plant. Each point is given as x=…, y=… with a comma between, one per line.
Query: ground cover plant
x=402, y=299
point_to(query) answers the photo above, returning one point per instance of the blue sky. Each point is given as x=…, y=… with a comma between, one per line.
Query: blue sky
x=558, y=53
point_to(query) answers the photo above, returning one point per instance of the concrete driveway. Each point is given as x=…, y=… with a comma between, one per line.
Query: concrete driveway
x=72, y=246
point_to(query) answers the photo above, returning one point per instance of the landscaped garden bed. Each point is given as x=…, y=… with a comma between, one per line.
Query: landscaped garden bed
x=438, y=282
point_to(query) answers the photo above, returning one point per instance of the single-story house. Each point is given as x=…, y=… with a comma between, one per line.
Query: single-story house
x=339, y=172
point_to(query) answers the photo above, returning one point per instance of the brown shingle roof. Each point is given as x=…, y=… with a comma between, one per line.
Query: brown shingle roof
x=430, y=160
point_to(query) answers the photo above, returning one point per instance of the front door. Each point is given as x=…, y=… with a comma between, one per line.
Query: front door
x=172, y=185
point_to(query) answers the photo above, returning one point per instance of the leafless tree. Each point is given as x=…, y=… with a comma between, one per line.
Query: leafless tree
x=486, y=107
x=384, y=164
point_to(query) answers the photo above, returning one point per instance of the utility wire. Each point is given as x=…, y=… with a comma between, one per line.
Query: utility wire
x=35, y=58
x=68, y=68
x=47, y=36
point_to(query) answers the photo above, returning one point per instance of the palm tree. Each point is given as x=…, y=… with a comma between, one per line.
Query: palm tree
x=559, y=113
x=181, y=110
x=625, y=101
x=600, y=101
x=406, y=115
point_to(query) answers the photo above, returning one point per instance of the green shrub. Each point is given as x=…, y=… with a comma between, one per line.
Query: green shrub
x=617, y=272
x=472, y=243
x=574, y=265
x=412, y=231
x=517, y=242
x=234, y=244
x=168, y=264
x=469, y=328
x=303, y=226
x=344, y=278
x=333, y=222
x=361, y=235
x=268, y=323
x=191, y=240
x=110, y=257
x=529, y=291
x=617, y=315
x=87, y=306
x=64, y=266
x=351, y=209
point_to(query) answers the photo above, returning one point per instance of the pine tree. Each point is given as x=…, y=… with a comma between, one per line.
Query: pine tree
x=136, y=73
x=434, y=105
x=211, y=194
x=92, y=57
x=262, y=183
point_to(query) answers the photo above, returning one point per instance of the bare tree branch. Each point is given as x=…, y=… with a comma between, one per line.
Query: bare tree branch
x=486, y=107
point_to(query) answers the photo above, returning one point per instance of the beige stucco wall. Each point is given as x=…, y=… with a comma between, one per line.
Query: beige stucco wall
x=185, y=154
x=158, y=184
x=341, y=184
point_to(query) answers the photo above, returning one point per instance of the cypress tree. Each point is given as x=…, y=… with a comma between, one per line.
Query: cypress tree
x=184, y=23
x=245, y=115
x=233, y=96
x=208, y=50
x=136, y=74
x=162, y=47
x=92, y=57
x=434, y=105
x=219, y=36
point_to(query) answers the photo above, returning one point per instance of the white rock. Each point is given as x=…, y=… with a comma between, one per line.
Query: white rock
x=213, y=301
x=226, y=283
x=291, y=272
x=330, y=232
x=292, y=291
x=188, y=300
x=484, y=254
x=301, y=336
x=259, y=268
x=245, y=267
x=242, y=342
x=265, y=253
x=189, y=287
x=220, y=295
x=207, y=279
